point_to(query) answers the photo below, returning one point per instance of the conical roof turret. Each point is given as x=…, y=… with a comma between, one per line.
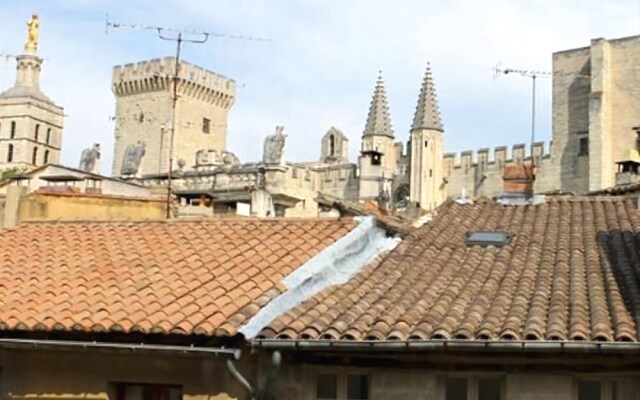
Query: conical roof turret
x=378, y=120
x=428, y=111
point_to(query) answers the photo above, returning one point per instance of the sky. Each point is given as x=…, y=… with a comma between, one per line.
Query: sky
x=319, y=67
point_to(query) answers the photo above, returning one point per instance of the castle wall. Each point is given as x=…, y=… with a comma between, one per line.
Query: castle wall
x=144, y=112
x=306, y=181
x=595, y=105
x=571, y=91
x=480, y=174
x=624, y=100
x=370, y=174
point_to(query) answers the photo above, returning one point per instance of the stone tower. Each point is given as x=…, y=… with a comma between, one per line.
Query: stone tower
x=144, y=93
x=426, y=172
x=595, y=113
x=30, y=122
x=335, y=147
x=377, y=161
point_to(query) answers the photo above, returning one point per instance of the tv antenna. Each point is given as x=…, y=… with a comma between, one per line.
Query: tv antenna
x=527, y=73
x=180, y=37
x=533, y=74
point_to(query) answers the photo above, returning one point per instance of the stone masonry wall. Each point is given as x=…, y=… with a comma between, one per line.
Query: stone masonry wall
x=298, y=382
x=144, y=112
x=595, y=98
x=92, y=375
x=480, y=175
x=27, y=114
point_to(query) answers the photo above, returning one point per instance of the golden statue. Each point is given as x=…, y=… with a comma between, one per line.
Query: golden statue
x=33, y=33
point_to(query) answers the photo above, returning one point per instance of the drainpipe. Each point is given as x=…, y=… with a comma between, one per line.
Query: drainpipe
x=231, y=367
x=276, y=360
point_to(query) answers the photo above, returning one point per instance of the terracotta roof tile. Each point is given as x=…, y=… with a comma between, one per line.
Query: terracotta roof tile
x=184, y=277
x=571, y=272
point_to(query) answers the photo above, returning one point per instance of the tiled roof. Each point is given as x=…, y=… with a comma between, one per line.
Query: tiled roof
x=385, y=221
x=571, y=272
x=622, y=189
x=180, y=277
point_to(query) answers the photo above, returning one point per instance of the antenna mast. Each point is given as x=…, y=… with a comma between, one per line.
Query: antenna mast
x=533, y=74
x=178, y=36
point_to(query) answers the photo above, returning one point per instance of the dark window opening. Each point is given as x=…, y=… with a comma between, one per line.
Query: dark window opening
x=48, y=135
x=584, y=146
x=489, y=389
x=426, y=143
x=46, y=156
x=456, y=389
x=141, y=118
x=13, y=130
x=10, y=153
x=376, y=159
x=126, y=391
x=327, y=386
x=357, y=387
x=34, y=158
x=589, y=390
x=206, y=125
x=430, y=173
x=37, y=132
x=332, y=145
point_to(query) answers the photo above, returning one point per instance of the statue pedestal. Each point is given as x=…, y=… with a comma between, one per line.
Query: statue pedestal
x=28, y=70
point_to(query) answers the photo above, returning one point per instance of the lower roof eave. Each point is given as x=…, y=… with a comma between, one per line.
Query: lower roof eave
x=14, y=343
x=512, y=346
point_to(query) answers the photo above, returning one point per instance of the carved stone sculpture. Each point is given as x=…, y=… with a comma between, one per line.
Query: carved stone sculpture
x=274, y=147
x=90, y=159
x=202, y=157
x=228, y=158
x=132, y=158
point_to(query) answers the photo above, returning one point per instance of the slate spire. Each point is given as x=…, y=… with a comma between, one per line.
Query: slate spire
x=378, y=120
x=427, y=112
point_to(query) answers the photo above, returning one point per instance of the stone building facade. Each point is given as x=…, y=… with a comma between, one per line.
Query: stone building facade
x=30, y=122
x=595, y=93
x=144, y=113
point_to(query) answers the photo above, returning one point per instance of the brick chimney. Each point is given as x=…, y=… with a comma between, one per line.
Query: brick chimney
x=518, y=179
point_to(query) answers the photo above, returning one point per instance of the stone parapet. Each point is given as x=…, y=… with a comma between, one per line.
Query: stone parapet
x=157, y=75
x=501, y=156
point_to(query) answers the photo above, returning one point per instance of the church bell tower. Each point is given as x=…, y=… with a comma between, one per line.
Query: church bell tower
x=30, y=122
x=426, y=174
x=377, y=161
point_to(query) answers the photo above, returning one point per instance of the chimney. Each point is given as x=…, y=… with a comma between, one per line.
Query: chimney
x=518, y=180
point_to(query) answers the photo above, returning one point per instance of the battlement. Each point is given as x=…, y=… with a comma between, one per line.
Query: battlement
x=156, y=74
x=501, y=156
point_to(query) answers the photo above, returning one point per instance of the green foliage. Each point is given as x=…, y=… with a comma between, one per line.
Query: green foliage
x=9, y=173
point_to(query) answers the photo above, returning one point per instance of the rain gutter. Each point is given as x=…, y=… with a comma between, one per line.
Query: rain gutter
x=51, y=344
x=416, y=346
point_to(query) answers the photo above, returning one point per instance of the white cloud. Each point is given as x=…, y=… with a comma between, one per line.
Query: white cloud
x=320, y=66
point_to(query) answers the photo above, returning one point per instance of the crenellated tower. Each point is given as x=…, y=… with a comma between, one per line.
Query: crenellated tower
x=144, y=93
x=426, y=172
x=377, y=161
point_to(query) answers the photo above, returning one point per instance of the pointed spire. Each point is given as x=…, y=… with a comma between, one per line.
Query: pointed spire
x=427, y=112
x=378, y=120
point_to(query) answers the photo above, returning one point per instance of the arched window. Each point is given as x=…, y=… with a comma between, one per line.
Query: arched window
x=46, y=156
x=37, y=132
x=10, y=153
x=48, y=135
x=35, y=156
x=332, y=145
x=13, y=129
